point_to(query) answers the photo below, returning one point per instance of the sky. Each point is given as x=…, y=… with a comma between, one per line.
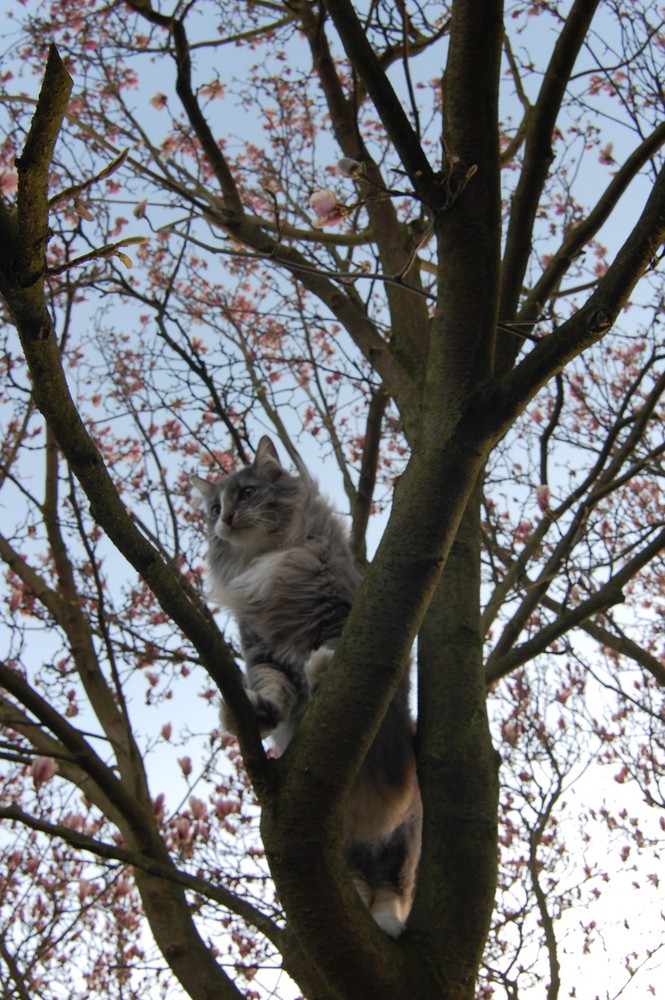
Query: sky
x=601, y=974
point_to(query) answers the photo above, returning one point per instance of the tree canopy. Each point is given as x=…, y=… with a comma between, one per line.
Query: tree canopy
x=420, y=245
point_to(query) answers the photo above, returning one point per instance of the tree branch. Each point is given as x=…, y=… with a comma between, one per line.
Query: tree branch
x=33, y=166
x=113, y=720
x=538, y=153
x=365, y=62
x=25, y=296
x=362, y=507
x=25, y=234
x=580, y=234
x=251, y=915
x=14, y=717
x=232, y=201
x=193, y=883
x=535, y=840
x=393, y=238
x=14, y=971
x=512, y=392
x=77, y=746
x=463, y=329
x=625, y=646
x=607, y=595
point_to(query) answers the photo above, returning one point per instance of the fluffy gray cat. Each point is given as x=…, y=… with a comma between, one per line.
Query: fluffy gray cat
x=279, y=561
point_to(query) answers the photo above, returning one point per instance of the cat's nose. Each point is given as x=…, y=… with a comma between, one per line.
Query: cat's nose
x=227, y=519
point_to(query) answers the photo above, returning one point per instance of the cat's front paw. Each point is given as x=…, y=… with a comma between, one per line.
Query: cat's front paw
x=266, y=712
x=316, y=666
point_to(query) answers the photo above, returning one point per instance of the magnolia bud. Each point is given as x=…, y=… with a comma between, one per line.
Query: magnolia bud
x=543, y=496
x=349, y=168
x=42, y=769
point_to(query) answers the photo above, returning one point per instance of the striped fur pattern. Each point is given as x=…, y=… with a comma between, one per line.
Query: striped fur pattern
x=279, y=560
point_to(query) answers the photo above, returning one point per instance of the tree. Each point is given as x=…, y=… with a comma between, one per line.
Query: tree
x=441, y=316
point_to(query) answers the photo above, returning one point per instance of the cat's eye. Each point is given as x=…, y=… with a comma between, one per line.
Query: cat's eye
x=246, y=492
x=216, y=510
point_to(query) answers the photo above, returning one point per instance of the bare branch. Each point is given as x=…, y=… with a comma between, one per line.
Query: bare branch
x=135, y=859
x=610, y=593
x=538, y=152
x=579, y=235
x=596, y=317
x=624, y=646
x=366, y=64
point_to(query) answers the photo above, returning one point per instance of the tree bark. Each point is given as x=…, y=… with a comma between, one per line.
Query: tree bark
x=457, y=770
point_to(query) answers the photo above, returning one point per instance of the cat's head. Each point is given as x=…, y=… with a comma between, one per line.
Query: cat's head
x=253, y=507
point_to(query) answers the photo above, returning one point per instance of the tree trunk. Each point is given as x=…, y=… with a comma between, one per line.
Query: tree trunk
x=457, y=769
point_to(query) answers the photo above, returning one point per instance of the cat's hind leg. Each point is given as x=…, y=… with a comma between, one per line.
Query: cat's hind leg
x=388, y=910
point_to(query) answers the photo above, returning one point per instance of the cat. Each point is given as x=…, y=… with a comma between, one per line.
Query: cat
x=279, y=560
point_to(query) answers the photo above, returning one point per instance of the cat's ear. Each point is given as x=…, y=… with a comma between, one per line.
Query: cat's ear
x=204, y=488
x=267, y=453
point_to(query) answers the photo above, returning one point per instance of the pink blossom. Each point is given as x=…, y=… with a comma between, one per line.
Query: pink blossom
x=511, y=731
x=8, y=181
x=224, y=807
x=42, y=769
x=74, y=821
x=606, y=154
x=214, y=89
x=323, y=203
x=543, y=496
x=185, y=765
x=86, y=888
x=198, y=807
x=158, y=807
x=327, y=209
x=183, y=827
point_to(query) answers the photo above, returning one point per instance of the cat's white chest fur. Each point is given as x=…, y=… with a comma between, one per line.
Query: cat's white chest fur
x=255, y=583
